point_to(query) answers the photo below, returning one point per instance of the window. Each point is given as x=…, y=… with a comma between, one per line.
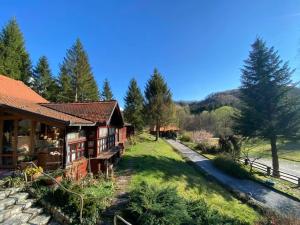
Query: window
x=102, y=132
x=75, y=151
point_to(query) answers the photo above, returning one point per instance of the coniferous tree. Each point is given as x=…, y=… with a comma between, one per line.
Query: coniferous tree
x=14, y=59
x=43, y=82
x=133, y=111
x=158, y=102
x=106, y=93
x=76, y=79
x=267, y=110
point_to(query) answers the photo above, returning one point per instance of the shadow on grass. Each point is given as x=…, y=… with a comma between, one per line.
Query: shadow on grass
x=170, y=170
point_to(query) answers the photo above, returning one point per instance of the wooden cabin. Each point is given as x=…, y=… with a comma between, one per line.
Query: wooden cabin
x=73, y=136
x=168, y=131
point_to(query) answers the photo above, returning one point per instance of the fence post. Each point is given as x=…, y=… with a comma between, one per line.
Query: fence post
x=246, y=162
x=268, y=170
x=298, y=181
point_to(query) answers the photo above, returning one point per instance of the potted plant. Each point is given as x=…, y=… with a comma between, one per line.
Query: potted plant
x=33, y=173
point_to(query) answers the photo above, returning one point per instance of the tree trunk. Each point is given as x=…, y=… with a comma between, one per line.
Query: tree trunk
x=157, y=131
x=275, y=161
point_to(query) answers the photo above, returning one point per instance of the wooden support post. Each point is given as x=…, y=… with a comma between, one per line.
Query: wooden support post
x=32, y=136
x=15, y=142
x=246, y=162
x=298, y=181
x=106, y=165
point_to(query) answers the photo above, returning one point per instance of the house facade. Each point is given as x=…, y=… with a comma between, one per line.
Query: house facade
x=78, y=137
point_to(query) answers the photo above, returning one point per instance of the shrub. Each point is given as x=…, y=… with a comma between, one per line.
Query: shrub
x=12, y=181
x=150, y=205
x=201, y=214
x=231, y=167
x=206, y=147
x=271, y=218
x=185, y=138
x=201, y=136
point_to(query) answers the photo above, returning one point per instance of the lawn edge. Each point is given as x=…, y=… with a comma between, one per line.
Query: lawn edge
x=253, y=179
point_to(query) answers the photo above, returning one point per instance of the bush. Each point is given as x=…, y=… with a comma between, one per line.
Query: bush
x=185, y=138
x=150, y=205
x=231, y=167
x=271, y=218
x=206, y=147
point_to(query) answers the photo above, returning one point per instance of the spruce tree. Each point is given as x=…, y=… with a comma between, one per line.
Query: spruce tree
x=106, y=94
x=158, y=102
x=14, y=59
x=267, y=110
x=76, y=79
x=43, y=82
x=133, y=111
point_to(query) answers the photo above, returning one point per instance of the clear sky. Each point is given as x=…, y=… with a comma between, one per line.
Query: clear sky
x=198, y=45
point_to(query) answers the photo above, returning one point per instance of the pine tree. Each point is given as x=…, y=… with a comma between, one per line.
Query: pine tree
x=267, y=109
x=106, y=93
x=43, y=82
x=133, y=111
x=14, y=59
x=76, y=79
x=158, y=102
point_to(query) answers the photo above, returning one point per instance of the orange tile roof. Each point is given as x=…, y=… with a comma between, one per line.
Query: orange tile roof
x=25, y=106
x=166, y=128
x=94, y=111
x=18, y=89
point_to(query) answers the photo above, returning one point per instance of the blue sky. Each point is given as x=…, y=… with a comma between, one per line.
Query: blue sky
x=198, y=46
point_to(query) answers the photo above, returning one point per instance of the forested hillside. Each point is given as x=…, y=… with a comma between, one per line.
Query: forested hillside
x=219, y=99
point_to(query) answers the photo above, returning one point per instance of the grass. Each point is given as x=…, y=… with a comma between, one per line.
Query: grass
x=289, y=150
x=157, y=163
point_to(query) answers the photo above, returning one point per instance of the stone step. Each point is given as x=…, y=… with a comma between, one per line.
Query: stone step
x=6, y=202
x=10, y=211
x=11, y=191
x=33, y=211
x=2, y=195
x=20, y=197
x=27, y=203
x=40, y=220
x=19, y=219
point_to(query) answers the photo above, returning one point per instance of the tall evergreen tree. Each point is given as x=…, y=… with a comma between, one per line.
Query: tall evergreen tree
x=158, y=102
x=267, y=110
x=43, y=81
x=14, y=59
x=106, y=93
x=76, y=79
x=133, y=111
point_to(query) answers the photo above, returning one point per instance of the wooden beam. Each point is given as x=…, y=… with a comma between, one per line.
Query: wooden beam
x=32, y=136
x=15, y=142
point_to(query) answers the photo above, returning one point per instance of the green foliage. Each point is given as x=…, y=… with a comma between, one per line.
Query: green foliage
x=106, y=94
x=96, y=194
x=151, y=205
x=12, y=181
x=267, y=110
x=231, y=167
x=76, y=80
x=158, y=102
x=133, y=110
x=185, y=138
x=43, y=82
x=14, y=59
x=207, y=148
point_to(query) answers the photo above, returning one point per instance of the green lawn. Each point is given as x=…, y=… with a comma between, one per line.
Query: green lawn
x=157, y=163
x=289, y=150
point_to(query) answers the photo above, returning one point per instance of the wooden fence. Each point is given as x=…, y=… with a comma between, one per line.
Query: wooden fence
x=269, y=171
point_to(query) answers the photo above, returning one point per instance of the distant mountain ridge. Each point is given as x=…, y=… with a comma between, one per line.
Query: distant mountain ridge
x=219, y=99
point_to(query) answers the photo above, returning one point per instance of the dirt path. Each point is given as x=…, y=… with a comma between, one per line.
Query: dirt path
x=265, y=196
